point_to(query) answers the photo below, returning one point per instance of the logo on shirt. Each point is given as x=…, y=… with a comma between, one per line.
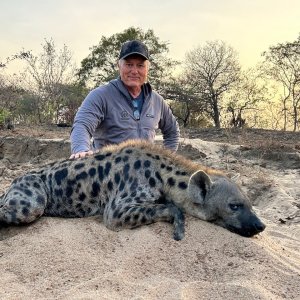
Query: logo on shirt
x=149, y=115
x=124, y=115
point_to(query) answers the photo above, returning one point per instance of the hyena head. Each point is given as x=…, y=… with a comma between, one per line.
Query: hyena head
x=223, y=203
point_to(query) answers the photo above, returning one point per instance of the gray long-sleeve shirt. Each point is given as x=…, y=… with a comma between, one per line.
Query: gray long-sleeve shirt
x=106, y=114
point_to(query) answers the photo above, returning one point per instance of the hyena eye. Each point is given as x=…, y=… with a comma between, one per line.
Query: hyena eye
x=235, y=207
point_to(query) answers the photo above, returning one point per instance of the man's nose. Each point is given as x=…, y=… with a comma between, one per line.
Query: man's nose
x=134, y=69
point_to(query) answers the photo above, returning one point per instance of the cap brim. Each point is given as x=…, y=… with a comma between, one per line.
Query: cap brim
x=134, y=53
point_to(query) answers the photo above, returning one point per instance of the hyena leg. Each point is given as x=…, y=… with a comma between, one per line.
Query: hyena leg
x=24, y=202
x=131, y=212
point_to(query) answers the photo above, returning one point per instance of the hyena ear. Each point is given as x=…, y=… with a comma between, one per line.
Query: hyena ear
x=199, y=185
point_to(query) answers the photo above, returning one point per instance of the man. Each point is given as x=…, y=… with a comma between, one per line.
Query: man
x=125, y=108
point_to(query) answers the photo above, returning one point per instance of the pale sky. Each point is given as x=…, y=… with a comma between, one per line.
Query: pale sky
x=249, y=26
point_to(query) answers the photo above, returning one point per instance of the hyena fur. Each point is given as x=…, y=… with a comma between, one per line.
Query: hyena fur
x=130, y=184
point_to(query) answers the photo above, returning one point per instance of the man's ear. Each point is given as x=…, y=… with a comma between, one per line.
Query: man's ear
x=199, y=185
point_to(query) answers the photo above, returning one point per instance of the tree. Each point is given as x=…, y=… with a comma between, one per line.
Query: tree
x=282, y=64
x=21, y=55
x=246, y=94
x=212, y=69
x=101, y=64
x=71, y=98
x=45, y=76
x=185, y=102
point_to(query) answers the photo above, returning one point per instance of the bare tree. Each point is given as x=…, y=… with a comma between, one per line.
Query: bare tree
x=45, y=76
x=247, y=93
x=282, y=63
x=212, y=69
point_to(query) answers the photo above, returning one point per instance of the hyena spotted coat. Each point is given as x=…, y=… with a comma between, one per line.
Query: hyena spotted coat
x=130, y=184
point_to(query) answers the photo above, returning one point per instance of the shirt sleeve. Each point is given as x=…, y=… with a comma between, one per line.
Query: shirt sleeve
x=88, y=117
x=169, y=127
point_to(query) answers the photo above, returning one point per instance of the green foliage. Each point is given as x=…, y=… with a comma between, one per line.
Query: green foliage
x=4, y=115
x=101, y=64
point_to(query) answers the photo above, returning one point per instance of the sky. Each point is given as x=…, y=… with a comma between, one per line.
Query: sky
x=249, y=26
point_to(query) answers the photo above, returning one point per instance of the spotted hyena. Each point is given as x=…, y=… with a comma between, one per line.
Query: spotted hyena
x=131, y=184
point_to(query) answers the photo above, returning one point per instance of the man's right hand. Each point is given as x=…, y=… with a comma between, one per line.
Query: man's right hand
x=81, y=154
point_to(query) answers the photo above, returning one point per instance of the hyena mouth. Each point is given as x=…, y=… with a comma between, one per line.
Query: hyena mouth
x=247, y=231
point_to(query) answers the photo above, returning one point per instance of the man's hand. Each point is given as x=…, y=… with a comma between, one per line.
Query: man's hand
x=81, y=154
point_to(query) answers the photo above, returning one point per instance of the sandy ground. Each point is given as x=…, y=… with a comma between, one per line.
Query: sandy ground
x=81, y=259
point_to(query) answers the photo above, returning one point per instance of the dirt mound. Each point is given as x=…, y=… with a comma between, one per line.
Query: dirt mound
x=81, y=259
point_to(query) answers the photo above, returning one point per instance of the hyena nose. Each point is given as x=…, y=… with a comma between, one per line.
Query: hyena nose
x=259, y=226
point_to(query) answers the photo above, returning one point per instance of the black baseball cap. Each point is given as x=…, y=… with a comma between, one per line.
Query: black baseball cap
x=134, y=47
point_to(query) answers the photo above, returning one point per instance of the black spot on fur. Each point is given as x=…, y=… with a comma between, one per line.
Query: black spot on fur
x=162, y=166
x=181, y=173
x=107, y=168
x=108, y=154
x=127, y=219
x=82, y=176
x=36, y=185
x=169, y=168
x=99, y=157
x=152, y=182
x=161, y=200
x=171, y=181
x=134, y=185
x=118, y=159
x=115, y=214
x=125, y=158
x=79, y=166
x=182, y=185
x=124, y=195
x=147, y=163
x=117, y=178
x=25, y=203
x=137, y=165
x=82, y=196
x=25, y=211
x=92, y=172
x=122, y=185
x=113, y=204
x=157, y=175
x=69, y=191
x=126, y=171
x=71, y=182
x=60, y=175
x=40, y=199
x=43, y=177
x=95, y=189
x=58, y=192
x=157, y=157
x=147, y=173
x=28, y=192
x=128, y=151
x=12, y=202
x=110, y=186
x=100, y=173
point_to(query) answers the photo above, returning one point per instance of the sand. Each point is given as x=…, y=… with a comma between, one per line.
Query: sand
x=57, y=258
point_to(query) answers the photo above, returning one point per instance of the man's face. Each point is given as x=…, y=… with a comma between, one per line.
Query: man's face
x=133, y=71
